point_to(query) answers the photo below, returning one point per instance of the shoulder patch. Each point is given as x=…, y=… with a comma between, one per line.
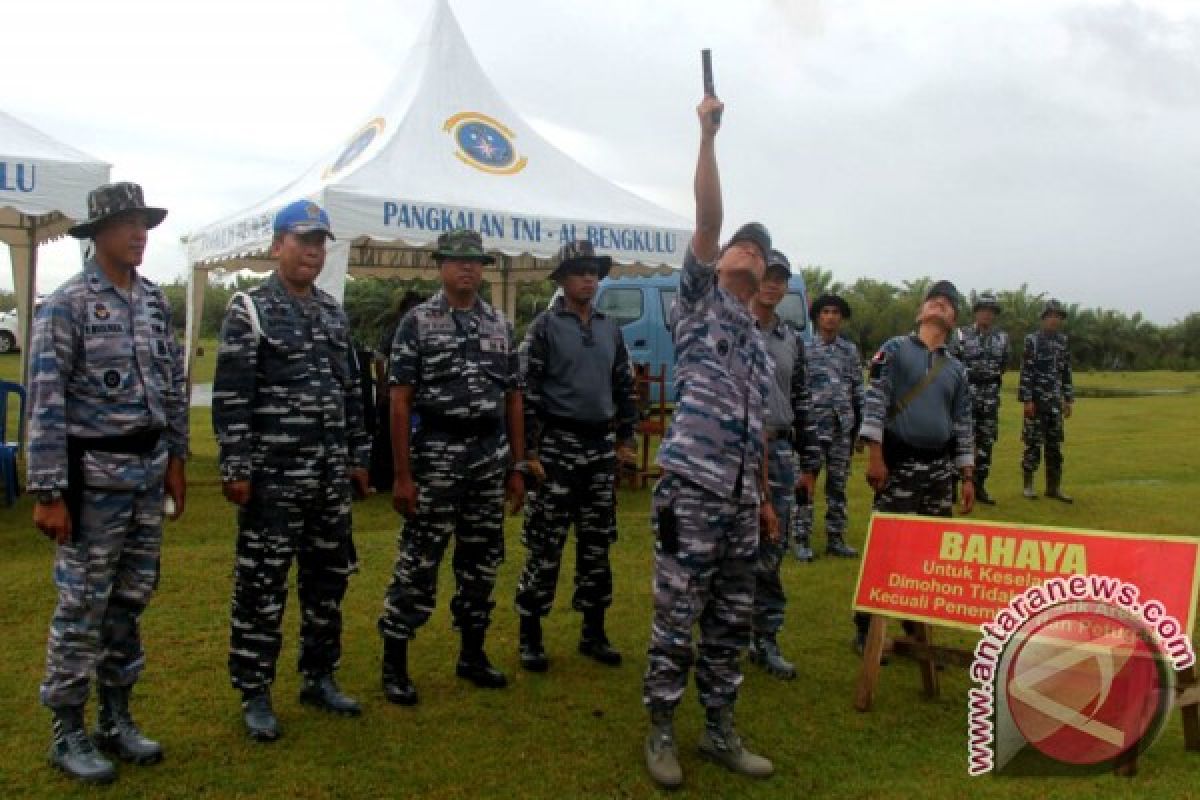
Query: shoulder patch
x=877, y=363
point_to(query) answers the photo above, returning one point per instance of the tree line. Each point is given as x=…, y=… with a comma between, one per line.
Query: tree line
x=1100, y=338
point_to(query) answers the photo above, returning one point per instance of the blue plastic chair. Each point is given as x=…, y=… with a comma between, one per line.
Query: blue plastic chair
x=9, y=450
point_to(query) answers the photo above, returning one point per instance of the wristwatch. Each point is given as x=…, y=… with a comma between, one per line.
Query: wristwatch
x=48, y=496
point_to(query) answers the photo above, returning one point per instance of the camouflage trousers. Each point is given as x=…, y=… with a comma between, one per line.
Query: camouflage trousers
x=769, y=599
x=304, y=518
x=578, y=491
x=836, y=453
x=987, y=428
x=915, y=486
x=1046, y=428
x=708, y=582
x=105, y=576
x=460, y=494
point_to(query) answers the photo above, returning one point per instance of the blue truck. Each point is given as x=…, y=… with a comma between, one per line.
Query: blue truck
x=643, y=306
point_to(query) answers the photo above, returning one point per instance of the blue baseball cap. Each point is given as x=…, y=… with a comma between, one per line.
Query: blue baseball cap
x=302, y=216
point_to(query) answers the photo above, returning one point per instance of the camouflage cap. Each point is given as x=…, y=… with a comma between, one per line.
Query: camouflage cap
x=944, y=289
x=105, y=202
x=987, y=300
x=577, y=252
x=778, y=261
x=463, y=244
x=1054, y=307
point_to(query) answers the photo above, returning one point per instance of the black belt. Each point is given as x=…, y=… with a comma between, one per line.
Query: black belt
x=896, y=450
x=463, y=426
x=579, y=426
x=786, y=434
x=141, y=443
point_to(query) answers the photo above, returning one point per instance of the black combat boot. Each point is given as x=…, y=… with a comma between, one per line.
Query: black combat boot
x=836, y=546
x=981, y=493
x=594, y=643
x=531, y=651
x=764, y=651
x=1054, y=487
x=73, y=752
x=804, y=553
x=473, y=663
x=321, y=691
x=398, y=688
x=117, y=734
x=1028, y=490
x=260, y=719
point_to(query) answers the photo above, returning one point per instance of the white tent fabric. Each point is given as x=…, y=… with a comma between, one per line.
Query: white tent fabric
x=43, y=191
x=441, y=150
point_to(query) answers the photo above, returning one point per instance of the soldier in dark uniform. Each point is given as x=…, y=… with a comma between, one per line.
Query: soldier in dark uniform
x=983, y=350
x=453, y=363
x=836, y=384
x=713, y=503
x=793, y=458
x=580, y=408
x=917, y=421
x=108, y=429
x=288, y=416
x=1048, y=392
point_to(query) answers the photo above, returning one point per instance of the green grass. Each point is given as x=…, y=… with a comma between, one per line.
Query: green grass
x=577, y=731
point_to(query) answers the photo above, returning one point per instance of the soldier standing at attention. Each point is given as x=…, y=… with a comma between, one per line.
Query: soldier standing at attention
x=791, y=438
x=288, y=416
x=1048, y=393
x=712, y=503
x=108, y=431
x=835, y=381
x=917, y=421
x=454, y=364
x=983, y=350
x=580, y=409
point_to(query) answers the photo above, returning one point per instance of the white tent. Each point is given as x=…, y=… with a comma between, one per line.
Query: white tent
x=443, y=150
x=43, y=191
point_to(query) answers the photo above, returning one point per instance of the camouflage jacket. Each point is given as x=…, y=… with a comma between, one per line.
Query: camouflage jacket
x=284, y=383
x=836, y=382
x=985, y=356
x=789, y=403
x=722, y=377
x=576, y=371
x=1046, y=370
x=459, y=363
x=103, y=362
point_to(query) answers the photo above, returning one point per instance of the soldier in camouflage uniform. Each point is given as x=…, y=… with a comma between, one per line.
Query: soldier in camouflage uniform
x=108, y=428
x=917, y=421
x=835, y=381
x=453, y=362
x=793, y=458
x=580, y=408
x=983, y=350
x=1048, y=393
x=288, y=416
x=712, y=500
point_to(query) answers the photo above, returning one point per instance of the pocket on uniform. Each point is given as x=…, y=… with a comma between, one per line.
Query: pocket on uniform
x=113, y=471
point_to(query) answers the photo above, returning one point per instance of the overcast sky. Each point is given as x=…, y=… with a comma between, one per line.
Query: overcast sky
x=995, y=143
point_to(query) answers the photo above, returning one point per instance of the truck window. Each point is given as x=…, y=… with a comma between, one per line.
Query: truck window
x=792, y=310
x=668, y=302
x=623, y=305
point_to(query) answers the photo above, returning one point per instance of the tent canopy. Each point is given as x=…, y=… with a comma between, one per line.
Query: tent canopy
x=43, y=191
x=441, y=150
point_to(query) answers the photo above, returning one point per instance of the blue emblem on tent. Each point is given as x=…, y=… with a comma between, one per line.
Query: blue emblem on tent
x=357, y=144
x=484, y=143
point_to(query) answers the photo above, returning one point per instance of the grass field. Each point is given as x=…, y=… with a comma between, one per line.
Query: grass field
x=577, y=730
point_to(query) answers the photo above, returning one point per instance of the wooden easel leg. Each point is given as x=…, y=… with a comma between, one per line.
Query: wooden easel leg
x=923, y=633
x=1191, y=714
x=871, y=664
